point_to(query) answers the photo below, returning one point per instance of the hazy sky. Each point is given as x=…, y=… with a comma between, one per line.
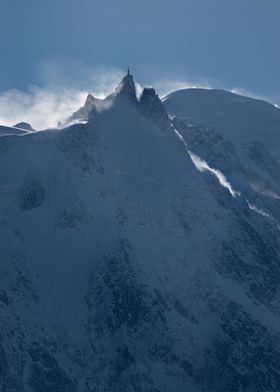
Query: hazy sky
x=223, y=43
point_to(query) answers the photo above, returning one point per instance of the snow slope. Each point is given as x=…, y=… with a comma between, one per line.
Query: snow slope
x=5, y=130
x=236, y=135
x=236, y=117
x=124, y=268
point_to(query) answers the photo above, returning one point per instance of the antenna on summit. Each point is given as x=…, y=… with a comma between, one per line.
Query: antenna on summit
x=128, y=71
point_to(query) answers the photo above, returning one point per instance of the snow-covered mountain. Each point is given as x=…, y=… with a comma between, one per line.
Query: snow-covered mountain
x=239, y=118
x=136, y=254
x=236, y=135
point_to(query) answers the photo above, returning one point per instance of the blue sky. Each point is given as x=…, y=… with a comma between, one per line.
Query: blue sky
x=221, y=43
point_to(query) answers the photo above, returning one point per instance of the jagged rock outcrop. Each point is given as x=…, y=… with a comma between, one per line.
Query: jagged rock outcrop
x=85, y=112
x=126, y=87
x=152, y=105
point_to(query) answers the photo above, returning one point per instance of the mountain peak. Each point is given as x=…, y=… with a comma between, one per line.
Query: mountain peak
x=127, y=86
x=152, y=104
x=87, y=111
x=90, y=100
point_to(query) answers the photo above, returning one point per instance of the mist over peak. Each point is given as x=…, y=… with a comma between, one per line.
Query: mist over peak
x=44, y=107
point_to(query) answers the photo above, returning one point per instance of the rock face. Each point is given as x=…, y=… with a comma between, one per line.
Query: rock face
x=152, y=105
x=127, y=87
x=124, y=267
x=86, y=111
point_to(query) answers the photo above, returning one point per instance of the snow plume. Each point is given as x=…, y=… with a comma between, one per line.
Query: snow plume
x=40, y=107
x=258, y=210
x=247, y=93
x=265, y=192
x=167, y=86
x=165, y=81
x=64, y=92
x=178, y=78
x=72, y=73
x=273, y=99
x=99, y=80
x=202, y=166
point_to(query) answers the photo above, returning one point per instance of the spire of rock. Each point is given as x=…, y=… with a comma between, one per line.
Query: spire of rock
x=87, y=111
x=90, y=100
x=127, y=86
x=152, y=105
